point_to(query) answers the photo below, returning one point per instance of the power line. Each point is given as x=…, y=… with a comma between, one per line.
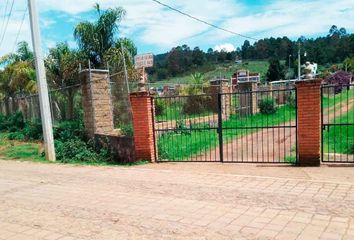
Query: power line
x=19, y=30
x=5, y=10
x=202, y=21
x=7, y=23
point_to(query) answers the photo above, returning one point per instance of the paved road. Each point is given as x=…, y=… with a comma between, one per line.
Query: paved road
x=47, y=201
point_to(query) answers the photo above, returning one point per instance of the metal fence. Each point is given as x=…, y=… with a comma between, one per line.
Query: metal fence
x=338, y=123
x=248, y=126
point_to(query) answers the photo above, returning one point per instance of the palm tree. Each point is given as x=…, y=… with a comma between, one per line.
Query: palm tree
x=18, y=75
x=95, y=39
x=62, y=70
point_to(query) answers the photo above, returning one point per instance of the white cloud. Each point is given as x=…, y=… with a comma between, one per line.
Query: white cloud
x=152, y=24
x=227, y=47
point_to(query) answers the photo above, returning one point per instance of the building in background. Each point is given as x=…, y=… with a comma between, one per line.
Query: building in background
x=245, y=75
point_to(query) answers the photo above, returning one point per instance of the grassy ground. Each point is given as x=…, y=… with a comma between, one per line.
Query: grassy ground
x=14, y=150
x=183, y=144
x=175, y=112
x=341, y=98
x=225, y=70
x=30, y=151
x=340, y=139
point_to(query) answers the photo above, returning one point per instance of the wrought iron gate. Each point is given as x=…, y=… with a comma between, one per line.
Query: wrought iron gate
x=240, y=126
x=338, y=123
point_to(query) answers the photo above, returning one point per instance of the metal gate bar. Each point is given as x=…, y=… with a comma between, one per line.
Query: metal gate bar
x=337, y=123
x=244, y=126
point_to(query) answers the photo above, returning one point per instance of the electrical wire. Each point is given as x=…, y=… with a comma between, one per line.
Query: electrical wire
x=7, y=23
x=3, y=21
x=202, y=21
x=19, y=30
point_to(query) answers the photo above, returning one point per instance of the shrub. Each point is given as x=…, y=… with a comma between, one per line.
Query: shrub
x=69, y=130
x=16, y=122
x=127, y=129
x=196, y=104
x=267, y=106
x=16, y=136
x=3, y=121
x=291, y=100
x=33, y=130
x=75, y=150
x=160, y=107
x=12, y=123
x=340, y=79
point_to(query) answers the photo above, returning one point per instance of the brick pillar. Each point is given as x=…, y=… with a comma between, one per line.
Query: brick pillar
x=141, y=103
x=96, y=101
x=309, y=122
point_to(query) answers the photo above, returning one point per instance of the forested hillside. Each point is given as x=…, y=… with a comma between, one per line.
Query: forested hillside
x=181, y=60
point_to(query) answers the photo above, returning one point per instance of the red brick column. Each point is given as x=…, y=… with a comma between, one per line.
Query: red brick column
x=309, y=122
x=141, y=103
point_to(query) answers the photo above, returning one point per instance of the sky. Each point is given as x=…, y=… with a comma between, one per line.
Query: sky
x=156, y=29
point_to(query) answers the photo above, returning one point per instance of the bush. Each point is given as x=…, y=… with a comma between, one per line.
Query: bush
x=71, y=143
x=33, y=130
x=16, y=122
x=76, y=150
x=68, y=130
x=12, y=123
x=127, y=130
x=196, y=104
x=16, y=136
x=291, y=100
x=267, y=106
x=160, y=107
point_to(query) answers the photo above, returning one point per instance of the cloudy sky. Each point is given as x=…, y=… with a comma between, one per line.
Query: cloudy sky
x=157, y=29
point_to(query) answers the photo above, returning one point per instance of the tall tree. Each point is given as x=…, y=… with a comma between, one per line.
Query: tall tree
x=275, y=71
x=96, y=38
x=62, y=65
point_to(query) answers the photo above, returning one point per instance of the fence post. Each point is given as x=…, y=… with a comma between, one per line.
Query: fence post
x=96, y=100
x=143, y=124
x=309, y=122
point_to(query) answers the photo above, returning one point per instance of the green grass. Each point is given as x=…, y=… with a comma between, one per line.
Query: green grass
x=340, y=139
x=341, y=98
x=184, y=143
x=29, y=151
x=26, y=151
x=14, y=150
x=175, y=112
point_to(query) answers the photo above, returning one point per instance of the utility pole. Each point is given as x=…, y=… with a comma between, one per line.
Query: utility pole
x=46, y=117
x=299, y=62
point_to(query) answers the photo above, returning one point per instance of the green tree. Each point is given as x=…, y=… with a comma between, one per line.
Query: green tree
x=348, y=64
x=62, y=70
x=96, y=38
x=18, y=75
x=275, y=71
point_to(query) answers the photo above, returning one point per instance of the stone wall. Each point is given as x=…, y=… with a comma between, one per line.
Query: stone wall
x=122, y=147
x=214, y=90
x=96, y=101
x=247, y=98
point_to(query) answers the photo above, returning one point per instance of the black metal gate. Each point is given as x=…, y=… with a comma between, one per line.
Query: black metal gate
x=337, y=123
x=242, y=126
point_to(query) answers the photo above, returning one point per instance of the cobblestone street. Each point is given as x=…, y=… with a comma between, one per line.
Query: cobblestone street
x=175, y=201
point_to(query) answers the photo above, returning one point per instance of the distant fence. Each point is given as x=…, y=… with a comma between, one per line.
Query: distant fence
x=65, y=104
